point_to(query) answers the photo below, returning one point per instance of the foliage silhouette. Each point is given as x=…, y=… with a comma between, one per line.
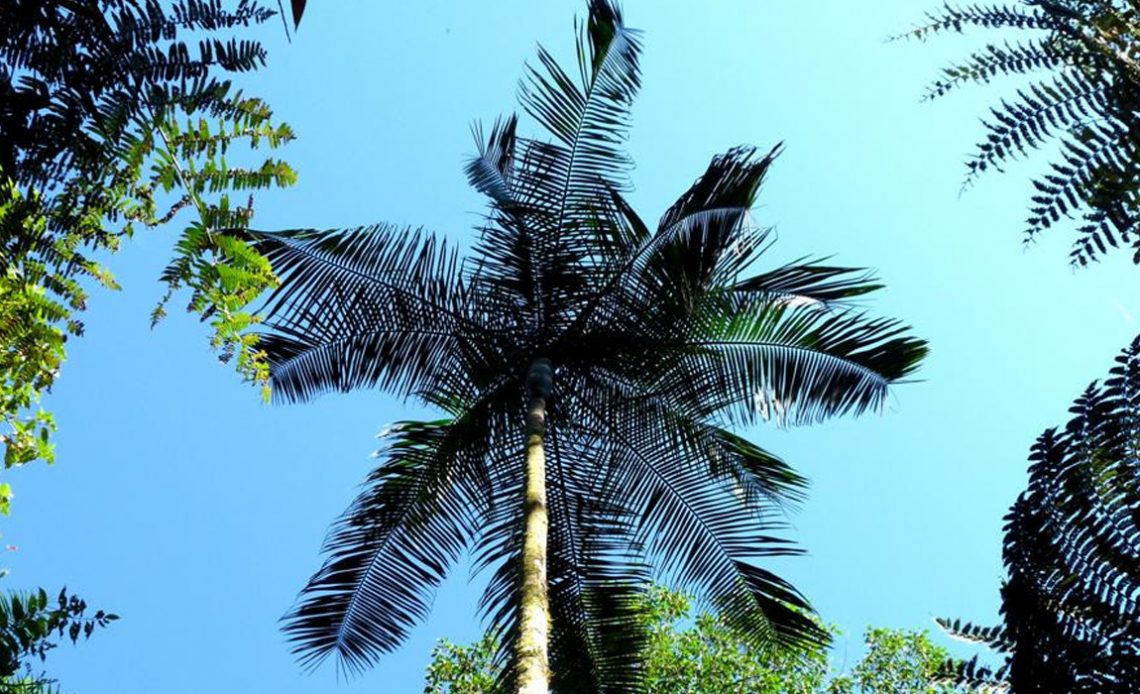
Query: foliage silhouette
x=574, y=331
x=129, y=134
x=1082, y=108
x=1071, y=601
x=298, y=7
x=28, y=624
x=111, y=118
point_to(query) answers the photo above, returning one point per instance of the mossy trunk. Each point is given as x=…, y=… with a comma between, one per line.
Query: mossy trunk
x=531, y=658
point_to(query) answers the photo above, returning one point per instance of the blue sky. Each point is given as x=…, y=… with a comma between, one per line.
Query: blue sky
x=194, y=511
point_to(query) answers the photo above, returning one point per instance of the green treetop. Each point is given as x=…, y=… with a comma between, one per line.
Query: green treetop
x=706, y=655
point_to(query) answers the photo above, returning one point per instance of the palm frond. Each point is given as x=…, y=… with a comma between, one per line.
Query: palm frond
x=588, y=118
x=760, y=480
x=563, y=184
x=669, y=268
x=298, y=7
x=805, y=282
x=794, y=364
x=490, y=172
x=392, y=547
x=376, y=306
x=755, y=471
x=704, y=239
x=696, y=529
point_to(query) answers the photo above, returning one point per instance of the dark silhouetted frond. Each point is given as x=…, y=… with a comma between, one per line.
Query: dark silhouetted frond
x=703, y=507
x=811, y=283
x=793, y=365
x=393, y=546
x=972, y=676
x=375, y=306
x=993, y=637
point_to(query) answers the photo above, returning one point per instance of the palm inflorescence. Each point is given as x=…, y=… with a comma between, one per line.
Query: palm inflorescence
x=660, y=339
x=1082, y=105
x=1071, y=602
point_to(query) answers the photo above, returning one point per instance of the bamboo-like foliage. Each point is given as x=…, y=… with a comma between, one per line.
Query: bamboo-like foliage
x=660, y=337
x=1071, y=601
x=1081, y=104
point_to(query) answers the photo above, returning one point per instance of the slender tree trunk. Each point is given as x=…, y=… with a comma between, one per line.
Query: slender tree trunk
x=534, y=622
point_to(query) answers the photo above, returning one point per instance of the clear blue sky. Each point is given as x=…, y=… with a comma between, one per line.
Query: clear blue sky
x=185, y=505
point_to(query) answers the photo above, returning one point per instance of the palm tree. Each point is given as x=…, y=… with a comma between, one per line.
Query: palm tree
x=1085, y=106
x=588, y=368
x=1071, y=603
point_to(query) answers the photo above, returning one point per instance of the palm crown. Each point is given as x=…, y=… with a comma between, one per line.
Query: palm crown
x=655, y=343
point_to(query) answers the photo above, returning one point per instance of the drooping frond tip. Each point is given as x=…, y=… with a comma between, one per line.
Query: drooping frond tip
x=390, y=549
x=490, y=171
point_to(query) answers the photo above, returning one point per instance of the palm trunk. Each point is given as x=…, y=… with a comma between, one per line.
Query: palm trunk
x=534, y=622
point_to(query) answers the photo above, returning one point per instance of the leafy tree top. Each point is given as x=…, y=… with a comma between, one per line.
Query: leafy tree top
x=687, y=653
